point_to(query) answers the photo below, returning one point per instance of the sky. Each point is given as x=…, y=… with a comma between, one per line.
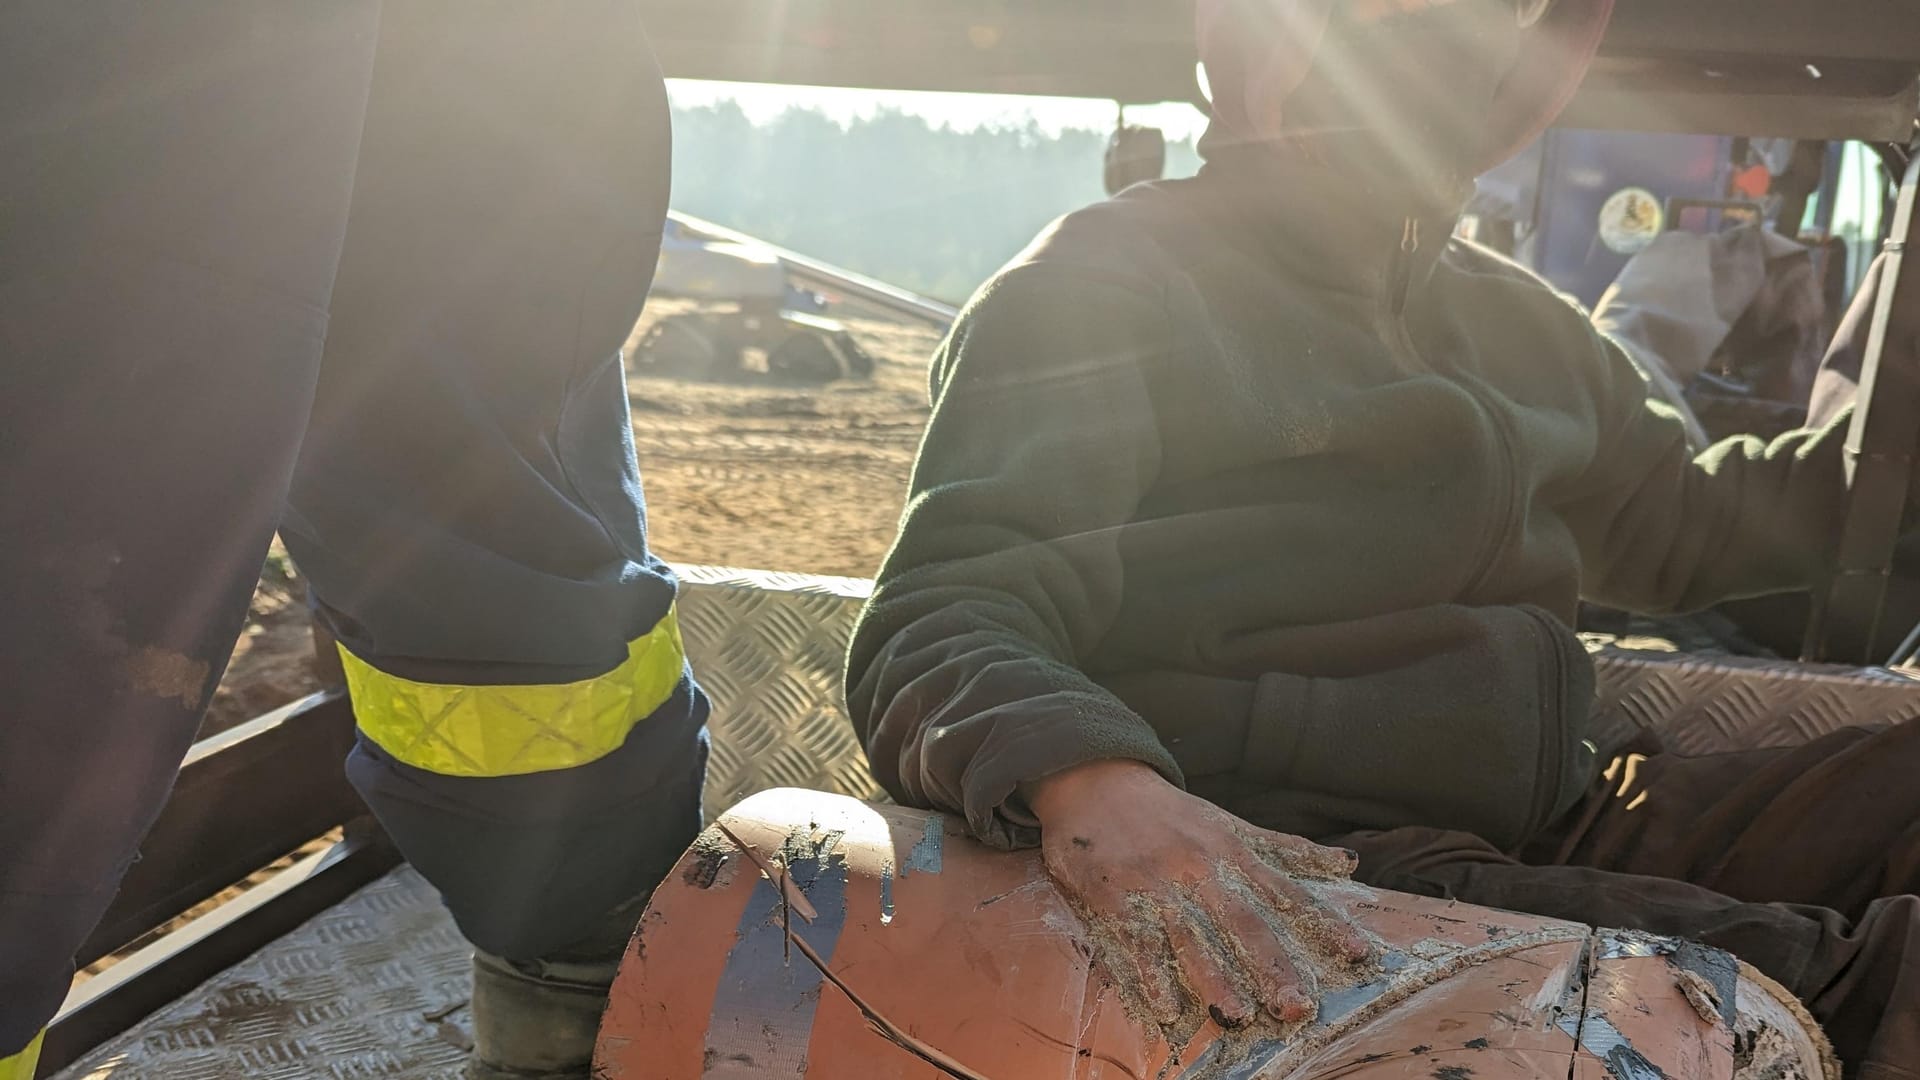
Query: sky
x=959, y=111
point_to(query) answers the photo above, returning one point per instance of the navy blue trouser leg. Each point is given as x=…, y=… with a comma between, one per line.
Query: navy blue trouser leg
x=467, y=504
x=174, y=184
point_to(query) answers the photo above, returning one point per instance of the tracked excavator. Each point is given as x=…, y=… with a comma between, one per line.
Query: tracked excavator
x=750, y=321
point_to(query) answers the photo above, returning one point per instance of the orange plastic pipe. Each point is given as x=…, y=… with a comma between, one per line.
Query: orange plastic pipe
x=812, y=935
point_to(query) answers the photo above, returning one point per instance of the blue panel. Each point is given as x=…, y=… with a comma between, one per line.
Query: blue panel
x=1581, y=170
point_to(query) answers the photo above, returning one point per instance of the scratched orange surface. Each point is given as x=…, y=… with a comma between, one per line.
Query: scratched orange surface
x=974, y=958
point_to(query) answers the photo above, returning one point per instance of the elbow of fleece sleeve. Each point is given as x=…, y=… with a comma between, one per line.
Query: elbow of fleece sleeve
x=966, y=728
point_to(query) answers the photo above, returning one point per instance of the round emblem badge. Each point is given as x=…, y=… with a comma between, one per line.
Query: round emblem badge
x=1631, y=220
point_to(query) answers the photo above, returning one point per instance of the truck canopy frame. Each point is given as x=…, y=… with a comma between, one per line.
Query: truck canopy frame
x=1808, y=69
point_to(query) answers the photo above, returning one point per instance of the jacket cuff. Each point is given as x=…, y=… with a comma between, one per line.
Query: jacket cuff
x=997, y=783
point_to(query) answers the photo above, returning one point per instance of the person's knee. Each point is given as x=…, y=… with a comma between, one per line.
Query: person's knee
x=529, y=864
x=1863, y=984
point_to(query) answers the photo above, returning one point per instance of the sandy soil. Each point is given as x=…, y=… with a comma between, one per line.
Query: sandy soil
x=754, y=476
x=779, y=478
x=273, y=659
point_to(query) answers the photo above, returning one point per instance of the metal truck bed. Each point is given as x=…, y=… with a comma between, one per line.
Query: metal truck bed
x=376, y=984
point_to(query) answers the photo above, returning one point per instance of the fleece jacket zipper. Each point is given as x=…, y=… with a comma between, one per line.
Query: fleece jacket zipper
x=1399, y=283
x=1550, y=775
x=1500, y=523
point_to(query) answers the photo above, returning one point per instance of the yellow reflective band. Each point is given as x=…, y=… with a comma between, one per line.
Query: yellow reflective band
x=21, y=1065
x=512, y=730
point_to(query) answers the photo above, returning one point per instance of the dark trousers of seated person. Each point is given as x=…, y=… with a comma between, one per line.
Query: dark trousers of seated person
x=1804, y=862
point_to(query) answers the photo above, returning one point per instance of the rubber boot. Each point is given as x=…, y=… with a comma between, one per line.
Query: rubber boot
x=537, y=1019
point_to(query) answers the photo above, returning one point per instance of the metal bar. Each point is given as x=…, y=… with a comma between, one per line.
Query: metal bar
x=243, y=799
x=1880, y=452
x=1677, y=97
x=138, y=986
x=988, y=45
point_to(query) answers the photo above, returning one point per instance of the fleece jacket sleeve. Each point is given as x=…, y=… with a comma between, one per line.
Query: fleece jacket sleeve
x=963, y=676
x=1661, y=530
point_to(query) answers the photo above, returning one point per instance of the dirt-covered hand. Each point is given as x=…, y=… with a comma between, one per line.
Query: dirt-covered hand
x=1194, y=895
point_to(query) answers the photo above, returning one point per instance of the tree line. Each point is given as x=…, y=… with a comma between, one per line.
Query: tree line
x=928, y=208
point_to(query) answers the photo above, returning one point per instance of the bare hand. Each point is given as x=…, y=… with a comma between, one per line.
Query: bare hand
x=1195, y=892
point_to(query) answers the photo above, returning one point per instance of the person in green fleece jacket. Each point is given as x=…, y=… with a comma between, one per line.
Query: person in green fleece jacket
x=1254, y=511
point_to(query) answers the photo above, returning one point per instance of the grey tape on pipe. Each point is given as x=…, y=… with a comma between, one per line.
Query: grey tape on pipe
x=763, y=1009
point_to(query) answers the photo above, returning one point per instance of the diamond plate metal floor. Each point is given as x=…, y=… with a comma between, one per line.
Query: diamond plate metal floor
x=768, y=648
x=376, y=986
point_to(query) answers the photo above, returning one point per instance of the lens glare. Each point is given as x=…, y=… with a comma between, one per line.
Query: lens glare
x=1530, y=12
